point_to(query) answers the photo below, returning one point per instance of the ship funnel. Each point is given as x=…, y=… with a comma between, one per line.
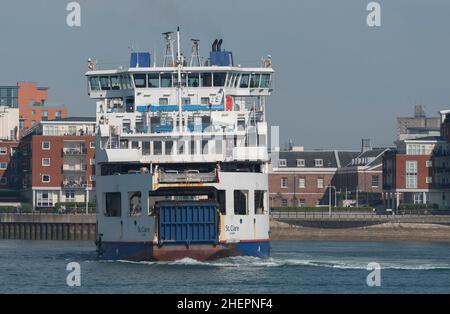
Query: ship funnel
x=214, y=45
x=219, y=45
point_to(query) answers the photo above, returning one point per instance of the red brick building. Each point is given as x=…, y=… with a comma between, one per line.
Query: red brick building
x=57, y=161
x=33, y=108
x=409, y=173
x=303, y=178
x=9, y=168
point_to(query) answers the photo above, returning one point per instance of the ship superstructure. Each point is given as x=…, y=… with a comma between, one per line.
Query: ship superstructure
x=181, y=156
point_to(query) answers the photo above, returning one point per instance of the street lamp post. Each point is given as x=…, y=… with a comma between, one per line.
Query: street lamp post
x=87, y=197
x=329, y=198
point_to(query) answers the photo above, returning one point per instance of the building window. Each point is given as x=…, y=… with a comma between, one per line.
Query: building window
x=375, y=181
x=44, y=199
x=70, y=196
x=429, y=180
x=318, y=162
x=411, y=174
x=44, y=115
x=320, y=183
x=284, y=183
x=3, y=165
x=45, y=178
x=92, y=178
x=300, y=162
x=284, y=202
x=45, y=162
x=92, y=145
x=92, y=161
x=3, y=150
x=282, y=163
x=302, y=202
x=58, y=115
x=46, y=145
x=3, y=181
x=429, y=163
x=301, y=183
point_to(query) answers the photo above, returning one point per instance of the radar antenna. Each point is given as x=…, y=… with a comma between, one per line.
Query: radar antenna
x=169, y=59
x=195, y=56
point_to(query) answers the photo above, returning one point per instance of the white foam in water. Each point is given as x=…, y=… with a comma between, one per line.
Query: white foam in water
x=248, y=261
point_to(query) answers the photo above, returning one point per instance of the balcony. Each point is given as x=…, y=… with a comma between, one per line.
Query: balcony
x=74, y=184
x=74, y=151
x=72, y=168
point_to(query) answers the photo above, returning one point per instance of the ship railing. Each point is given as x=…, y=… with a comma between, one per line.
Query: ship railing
x=188, y=177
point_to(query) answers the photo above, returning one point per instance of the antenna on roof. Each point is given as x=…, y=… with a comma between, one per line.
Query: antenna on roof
x=195, y=56
x=168, y=50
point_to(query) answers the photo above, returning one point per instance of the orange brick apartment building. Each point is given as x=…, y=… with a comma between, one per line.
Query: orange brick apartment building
x=57, y=161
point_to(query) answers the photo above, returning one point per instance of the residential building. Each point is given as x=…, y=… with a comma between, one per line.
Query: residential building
x=9, y=123
x=31, y=100
x=9, y=168
x=57, y=161
x=360, y=182
x=408, y=174
x=417, y=126
x=304, y=178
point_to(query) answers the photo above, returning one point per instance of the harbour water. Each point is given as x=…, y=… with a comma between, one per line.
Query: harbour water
x=294, y=267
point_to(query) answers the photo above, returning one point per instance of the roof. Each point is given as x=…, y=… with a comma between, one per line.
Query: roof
x=331, y=159
x=425, y=138
x=370, y=157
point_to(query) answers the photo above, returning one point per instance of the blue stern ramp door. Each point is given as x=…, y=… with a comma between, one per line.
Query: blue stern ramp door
x=187, y=223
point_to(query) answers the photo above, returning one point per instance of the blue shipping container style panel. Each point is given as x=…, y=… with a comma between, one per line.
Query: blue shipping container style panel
x=140, y=60
x=187, y=222
x=221, y=58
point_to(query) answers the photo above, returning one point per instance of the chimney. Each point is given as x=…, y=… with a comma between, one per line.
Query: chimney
x=365, y=145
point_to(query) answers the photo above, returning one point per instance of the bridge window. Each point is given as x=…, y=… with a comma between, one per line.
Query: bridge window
x=206, y=79
x=244, y=80
x=139, y=80
x=236, y=80
x=115, y=83
x=94, y=82
x=254, y=80
x=194, y=80
x=113, y=204
x=153, y=80
x=126, y=82
x=219, y=78
x=265, y=81
x=104, y=82
x=166, y=80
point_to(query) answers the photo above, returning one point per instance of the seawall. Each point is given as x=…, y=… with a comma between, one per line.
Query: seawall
x=382, y=231
x=47, y=227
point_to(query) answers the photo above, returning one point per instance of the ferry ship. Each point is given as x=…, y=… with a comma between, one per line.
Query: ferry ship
x=181, y=155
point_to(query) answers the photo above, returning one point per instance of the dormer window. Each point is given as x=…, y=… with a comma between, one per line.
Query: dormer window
x=300, y=162
x=318, y=162
x=282, y=163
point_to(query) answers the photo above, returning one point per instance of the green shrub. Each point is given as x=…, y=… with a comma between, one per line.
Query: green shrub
x=417, y=206
x=322, y=209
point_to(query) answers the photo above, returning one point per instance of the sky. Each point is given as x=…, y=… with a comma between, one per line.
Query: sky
x=337, y=80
